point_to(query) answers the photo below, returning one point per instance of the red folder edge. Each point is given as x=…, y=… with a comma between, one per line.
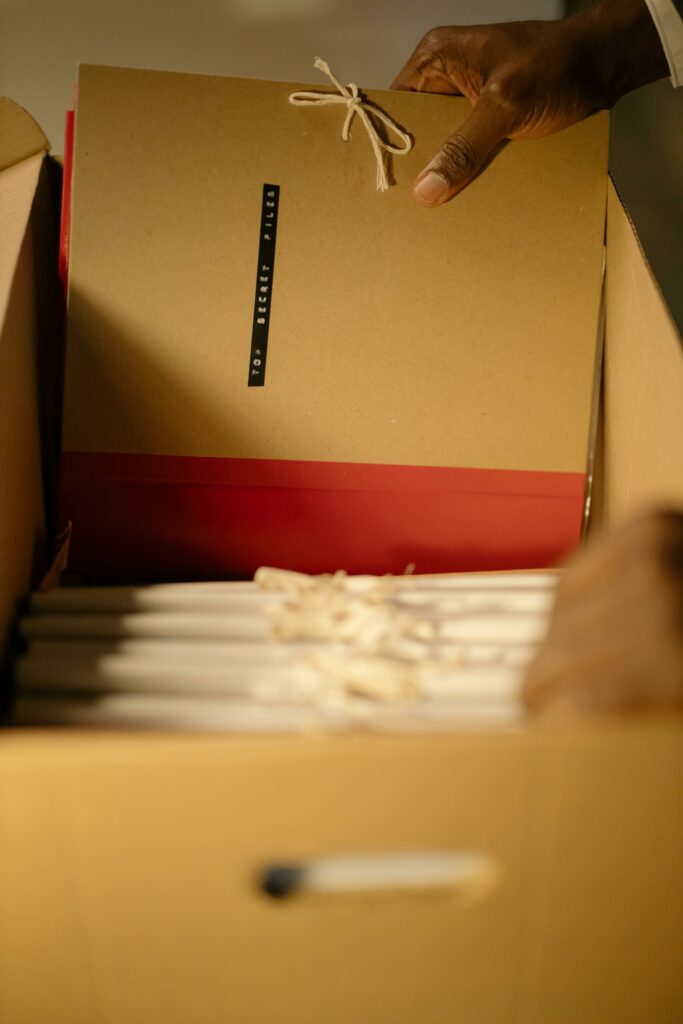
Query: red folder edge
x=65, y=215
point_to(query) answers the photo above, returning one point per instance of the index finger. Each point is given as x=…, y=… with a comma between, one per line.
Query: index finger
x=422, y=74
x=429, y=80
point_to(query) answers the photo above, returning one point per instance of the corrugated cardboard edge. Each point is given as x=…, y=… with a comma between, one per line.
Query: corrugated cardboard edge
x=60, y=560
x=613, y=194
x=20, y=136
x=593, y=463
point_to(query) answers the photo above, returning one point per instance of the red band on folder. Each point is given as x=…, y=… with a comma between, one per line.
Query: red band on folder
x=143, y=516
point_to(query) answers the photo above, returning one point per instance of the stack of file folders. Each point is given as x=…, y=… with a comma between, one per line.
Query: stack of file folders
x=284, y=653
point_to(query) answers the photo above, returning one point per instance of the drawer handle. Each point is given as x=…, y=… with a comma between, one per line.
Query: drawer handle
x=468, y=875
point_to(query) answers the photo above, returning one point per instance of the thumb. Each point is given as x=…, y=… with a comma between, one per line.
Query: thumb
x=463, y=155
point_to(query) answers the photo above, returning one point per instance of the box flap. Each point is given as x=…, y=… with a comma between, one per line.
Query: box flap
x=20, y=135
x=18, y=184
x=643, y=385
x=23, y=320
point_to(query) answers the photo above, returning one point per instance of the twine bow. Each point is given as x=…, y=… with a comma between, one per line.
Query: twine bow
x=367, y=112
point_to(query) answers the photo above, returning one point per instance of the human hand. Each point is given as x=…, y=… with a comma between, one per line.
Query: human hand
x=616, y=636
x=527, y=80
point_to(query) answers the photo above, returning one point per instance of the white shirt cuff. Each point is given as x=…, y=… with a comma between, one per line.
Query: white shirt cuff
x=670, y=27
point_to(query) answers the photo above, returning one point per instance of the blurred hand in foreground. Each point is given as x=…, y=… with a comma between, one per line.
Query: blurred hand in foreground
x=528, y=79
x=616, y=636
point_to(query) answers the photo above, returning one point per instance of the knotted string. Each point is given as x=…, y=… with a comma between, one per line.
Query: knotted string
x=367, y=112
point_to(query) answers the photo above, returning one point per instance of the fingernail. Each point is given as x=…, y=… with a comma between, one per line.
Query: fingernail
x=431, y=188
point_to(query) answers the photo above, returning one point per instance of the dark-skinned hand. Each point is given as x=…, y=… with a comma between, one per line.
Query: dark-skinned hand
x=528, y=79
x=616, y=636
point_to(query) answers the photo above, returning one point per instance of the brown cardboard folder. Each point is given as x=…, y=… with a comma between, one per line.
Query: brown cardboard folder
x=427, y=388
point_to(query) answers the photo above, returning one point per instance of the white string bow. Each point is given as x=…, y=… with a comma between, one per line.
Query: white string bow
x=355, y=104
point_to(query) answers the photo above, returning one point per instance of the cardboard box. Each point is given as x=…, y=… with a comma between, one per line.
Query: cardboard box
x=128, y=862
x=424, y=391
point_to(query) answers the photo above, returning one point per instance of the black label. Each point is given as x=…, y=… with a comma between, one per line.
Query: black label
x=264, y=286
